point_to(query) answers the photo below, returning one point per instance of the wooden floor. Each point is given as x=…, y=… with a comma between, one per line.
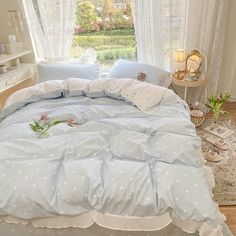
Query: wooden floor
x=230, y=211
x=231, y=108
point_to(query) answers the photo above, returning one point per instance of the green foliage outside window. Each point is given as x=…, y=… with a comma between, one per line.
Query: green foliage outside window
x=106, y=26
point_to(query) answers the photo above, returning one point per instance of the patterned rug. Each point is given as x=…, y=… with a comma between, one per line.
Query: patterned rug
x=225, y=170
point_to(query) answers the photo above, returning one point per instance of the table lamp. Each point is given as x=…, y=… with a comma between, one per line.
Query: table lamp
x=179, y=56
x=179, y=60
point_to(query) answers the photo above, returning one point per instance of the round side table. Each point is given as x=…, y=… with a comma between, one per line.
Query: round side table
x=191, y=84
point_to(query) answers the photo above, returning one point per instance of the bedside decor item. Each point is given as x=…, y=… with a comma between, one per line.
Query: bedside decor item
x=12, y=39
x=197, y=116
x=194, y=73
x=15, y=20
x=219, y=143
x=191, y=77
x=193, y=64
x=179, y=61
x=215, y=104
x=213, y=156
x=3, y=69
x=1, y=49
x=13, y=48
x=224, y=170
x=218, y=130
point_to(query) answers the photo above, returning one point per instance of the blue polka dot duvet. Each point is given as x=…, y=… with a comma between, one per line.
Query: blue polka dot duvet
x=121, y=160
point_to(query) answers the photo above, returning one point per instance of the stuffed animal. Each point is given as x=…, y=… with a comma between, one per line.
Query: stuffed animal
x=141, y=76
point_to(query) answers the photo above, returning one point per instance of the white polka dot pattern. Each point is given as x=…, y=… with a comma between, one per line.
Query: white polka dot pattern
x=118, y=161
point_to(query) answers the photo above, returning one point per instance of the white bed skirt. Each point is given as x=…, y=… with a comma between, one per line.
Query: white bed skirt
x=7, y=229
x=124, y=223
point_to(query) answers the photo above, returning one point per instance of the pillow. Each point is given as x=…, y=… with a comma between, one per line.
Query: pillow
x=143, y=95
x=61, y=71
x=151, y=74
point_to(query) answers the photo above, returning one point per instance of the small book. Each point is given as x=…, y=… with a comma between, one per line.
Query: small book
x=218, y=130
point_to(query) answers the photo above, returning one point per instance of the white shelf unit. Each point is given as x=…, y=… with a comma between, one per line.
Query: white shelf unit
x=6, y=58
x=16, y=75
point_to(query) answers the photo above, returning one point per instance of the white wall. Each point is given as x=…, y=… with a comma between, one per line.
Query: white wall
x=228, y=69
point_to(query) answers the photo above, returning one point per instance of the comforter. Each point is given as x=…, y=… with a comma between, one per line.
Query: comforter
x=132, y=163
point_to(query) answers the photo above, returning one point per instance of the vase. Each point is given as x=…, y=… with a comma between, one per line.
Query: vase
x=216, y=116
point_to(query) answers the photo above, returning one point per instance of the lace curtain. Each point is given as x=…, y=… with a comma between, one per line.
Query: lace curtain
x=227, y=80
x=160, y=29
x=165, y=25
x=51, y=24
x=206, y=23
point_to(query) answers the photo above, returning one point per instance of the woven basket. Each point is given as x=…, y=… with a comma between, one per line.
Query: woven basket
x=196, y=119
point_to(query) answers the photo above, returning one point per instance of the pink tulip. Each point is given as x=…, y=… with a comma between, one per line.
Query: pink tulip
x=72, y=122
x=44, y=117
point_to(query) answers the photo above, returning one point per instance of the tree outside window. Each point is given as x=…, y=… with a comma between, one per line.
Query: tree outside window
x=107, y=27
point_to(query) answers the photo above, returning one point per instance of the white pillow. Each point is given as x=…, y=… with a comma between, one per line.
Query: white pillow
x=129, y=69
x=143, y=95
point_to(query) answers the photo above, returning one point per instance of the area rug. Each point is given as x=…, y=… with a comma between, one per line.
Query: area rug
x=225, y=170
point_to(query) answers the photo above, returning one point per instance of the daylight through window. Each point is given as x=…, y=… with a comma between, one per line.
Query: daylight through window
x=107, y=27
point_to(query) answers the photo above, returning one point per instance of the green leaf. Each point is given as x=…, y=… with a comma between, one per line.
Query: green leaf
x=42, y=128
x=38, y=125
x=209, y=106
x=33, y=127
x=56, y=122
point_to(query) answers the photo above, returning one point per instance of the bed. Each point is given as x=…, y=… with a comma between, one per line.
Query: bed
x=131, y=164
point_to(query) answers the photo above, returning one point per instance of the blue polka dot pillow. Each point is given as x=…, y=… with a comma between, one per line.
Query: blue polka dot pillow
x=62, y=71
x=140, y=71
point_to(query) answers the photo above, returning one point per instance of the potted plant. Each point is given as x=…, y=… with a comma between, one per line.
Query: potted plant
x=215, y=103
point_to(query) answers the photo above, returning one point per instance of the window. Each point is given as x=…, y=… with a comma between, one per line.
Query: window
x=107, y=27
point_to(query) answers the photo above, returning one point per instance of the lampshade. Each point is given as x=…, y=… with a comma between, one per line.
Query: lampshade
x=179, y=55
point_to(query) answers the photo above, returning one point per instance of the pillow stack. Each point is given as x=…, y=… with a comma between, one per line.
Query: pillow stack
x=120, y=70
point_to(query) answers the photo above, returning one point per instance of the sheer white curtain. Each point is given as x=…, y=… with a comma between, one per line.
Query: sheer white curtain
x=160, y=29
x=227, y=80
x=51, y=24
x=205, y=30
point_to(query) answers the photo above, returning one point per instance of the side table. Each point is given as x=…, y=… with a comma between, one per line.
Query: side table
x=191, y=84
